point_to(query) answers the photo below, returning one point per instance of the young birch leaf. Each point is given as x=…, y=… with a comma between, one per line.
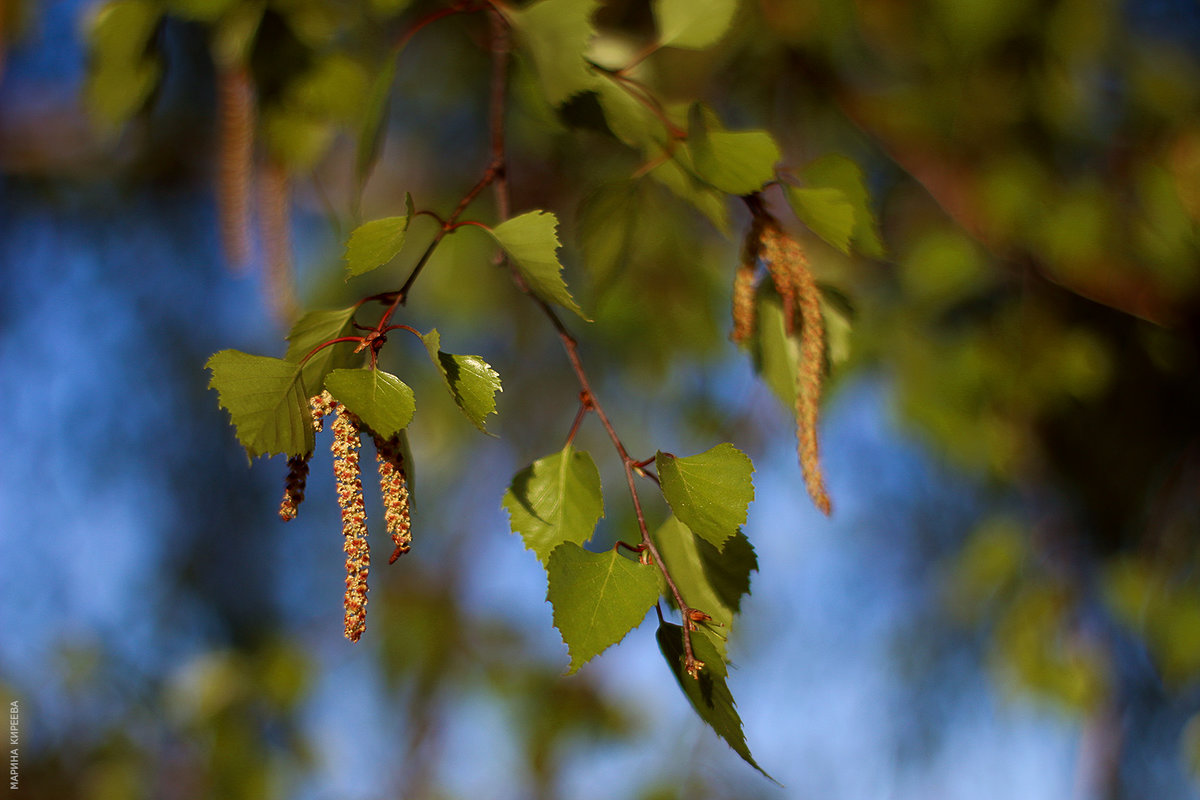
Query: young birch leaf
x=370, y=126
x=676, y=173
x=597, y=598
x=380, y=400
x=826, y=211
x=709, y=492
x=708, y=693
x=314, y=328
x=266, y=400
x=608, y=221
x=531, y=241
x=709, y=579
x=841, y=173
x=556, y=499
x=693, y=24
x=556, y=33
x=471, y=380
x=377, y=242
x=737, y=162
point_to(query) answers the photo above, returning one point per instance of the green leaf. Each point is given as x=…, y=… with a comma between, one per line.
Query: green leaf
x=333, y=87
x=554, y=500
x=471, y=380
x=377, y=242
x=709, y=579
x=693, y=24
x=608, y=222
x=629, y=120
x=677, y=175
x=370, y=127
x=597, y=598
x=380, y=400
x=556, y=33
x=708, y=693
x=709, y=492
x=298, y=139
x=737, y=162
x=267, y=401
x=311, y=330
x=121, y=30
x=531, y=241
x=827, y=212
x=838, y=172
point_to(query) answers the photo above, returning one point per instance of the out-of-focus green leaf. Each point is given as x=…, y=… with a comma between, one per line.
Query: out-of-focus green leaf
x=844, y=175
x=608, y=222
x=233, y=35
x=371, y=128
x=709, y=492
x=676, y=173
x=471, y=381
x=597, y=598
x=122, y=75
x=298, y=139
x=382, y=401
x=267, y=401
x=737, y=162
x=556, y=499
x=556, y=33
x=827, y=212
x=693, y=24
x=334, y=88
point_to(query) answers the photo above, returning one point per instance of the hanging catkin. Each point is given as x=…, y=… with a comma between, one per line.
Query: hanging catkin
x=393, y=484
x=235, y=156
x=788, y=267
x=354, y=520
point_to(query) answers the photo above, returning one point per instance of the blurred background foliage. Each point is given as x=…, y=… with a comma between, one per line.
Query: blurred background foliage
x=1035, y=169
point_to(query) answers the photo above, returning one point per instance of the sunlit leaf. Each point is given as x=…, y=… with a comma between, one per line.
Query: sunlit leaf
x=556, y=33
x=597, y=598
x=471, y=380
x=315, y=328
x=709, y=492
x=693, y=24
x=531, y=241
x=708, y=693
x=827, y=212
x=382, y=401
x=266, y=400
x=737, y=162
x=843, y=174
x=554, y=500
x=377, y=242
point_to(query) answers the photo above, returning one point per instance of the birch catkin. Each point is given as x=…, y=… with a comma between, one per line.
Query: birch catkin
x=393, y=484
x=235, y=156
x=354, y=520
x=788, y=267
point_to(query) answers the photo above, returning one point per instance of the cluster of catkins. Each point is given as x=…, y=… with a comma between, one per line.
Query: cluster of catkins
x=393, y=482
x=787, y=266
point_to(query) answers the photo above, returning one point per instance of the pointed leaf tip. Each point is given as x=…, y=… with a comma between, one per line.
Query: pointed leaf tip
x=709, y=492
x=597, y=598
x=531, y=241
